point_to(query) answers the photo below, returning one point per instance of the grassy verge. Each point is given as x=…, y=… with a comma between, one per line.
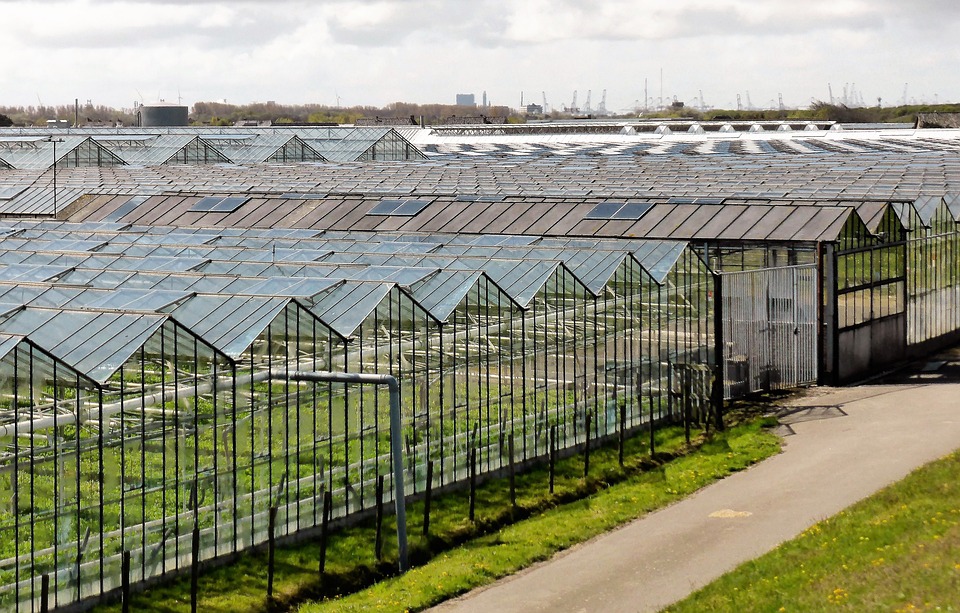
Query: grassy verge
x=898, y=550
x=460, y=554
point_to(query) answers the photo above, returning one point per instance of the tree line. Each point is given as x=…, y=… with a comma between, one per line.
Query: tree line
x=223, y=114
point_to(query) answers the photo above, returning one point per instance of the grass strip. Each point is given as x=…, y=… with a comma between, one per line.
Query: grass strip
x=459, y=554
x=514, y=547
x=898, y=550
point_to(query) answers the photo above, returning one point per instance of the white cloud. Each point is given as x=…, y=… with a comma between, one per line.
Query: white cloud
x=379, y=51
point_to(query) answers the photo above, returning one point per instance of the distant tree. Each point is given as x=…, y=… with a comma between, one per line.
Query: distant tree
x=5, y=122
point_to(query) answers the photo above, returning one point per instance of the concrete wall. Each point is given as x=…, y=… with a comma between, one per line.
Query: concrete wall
x=869, y=349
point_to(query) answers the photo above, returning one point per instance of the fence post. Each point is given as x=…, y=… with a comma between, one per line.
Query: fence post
x=623, y=433
x=473, y=483
x=552, y=455
x=650, y=417
x=378, y=539
x=125, y=581
x=44, y=593
x=195, y=568
x=685, y=377
x=513, y=477
x=586, y=448
x=427, y=498
x=271, y=549
x=324, y=529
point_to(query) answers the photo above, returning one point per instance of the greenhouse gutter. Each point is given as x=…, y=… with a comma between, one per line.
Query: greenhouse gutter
x=396, y=450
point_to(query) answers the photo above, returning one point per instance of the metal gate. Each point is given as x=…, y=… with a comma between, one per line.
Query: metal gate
x=769, y=329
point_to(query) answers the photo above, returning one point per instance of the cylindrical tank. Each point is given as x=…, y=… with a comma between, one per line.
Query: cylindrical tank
x=162, y=114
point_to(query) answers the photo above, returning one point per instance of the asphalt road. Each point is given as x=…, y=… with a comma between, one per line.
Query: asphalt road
x=841, y=445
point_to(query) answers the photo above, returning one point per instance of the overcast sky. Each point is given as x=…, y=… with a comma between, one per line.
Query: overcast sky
x=381, y=51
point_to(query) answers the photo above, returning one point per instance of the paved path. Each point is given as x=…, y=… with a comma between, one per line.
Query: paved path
x=841, y=445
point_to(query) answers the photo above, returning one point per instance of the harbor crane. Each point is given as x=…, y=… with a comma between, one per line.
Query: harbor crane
x=602, y=108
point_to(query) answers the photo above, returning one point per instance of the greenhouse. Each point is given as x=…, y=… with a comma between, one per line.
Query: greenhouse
x=530, y=295
x=35, y=148
x=167, y=414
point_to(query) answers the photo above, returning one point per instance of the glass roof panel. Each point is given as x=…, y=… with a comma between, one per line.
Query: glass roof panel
x=229, y=323
x=99, y=342
x=345, y=307
x=218, y=204
x=604, y=210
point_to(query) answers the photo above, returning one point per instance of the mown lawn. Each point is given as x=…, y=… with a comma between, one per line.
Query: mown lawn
x=896, y=551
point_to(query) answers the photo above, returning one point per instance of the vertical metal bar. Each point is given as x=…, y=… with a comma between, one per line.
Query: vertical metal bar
x=481, y=329
x=378, y=539
x=719, y=370
x=684, y=376
x=125, y=582
x=14, y=475
x=44, y=593
x=298, y=400
x=473, y=482
x=268, y=411
x=622, y=433
x=397, y=457
x=596, y=355
x=325, y=529
x=195, y=568
x=427, y=497
x=552, y=454
x=235, y=536
x=524, y=380
x=271, y=548
x=586, y=446
x=58, y=478
x=441, y=397
x=164, y=463
x=513, y=476
x=834, y=299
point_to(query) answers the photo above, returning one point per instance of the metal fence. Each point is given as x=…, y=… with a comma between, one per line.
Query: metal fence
x=933, y=282
x=769, y=329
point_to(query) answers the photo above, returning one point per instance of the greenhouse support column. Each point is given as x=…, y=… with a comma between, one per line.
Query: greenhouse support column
x=396, y=449
x=829, y=316
x=718, y=355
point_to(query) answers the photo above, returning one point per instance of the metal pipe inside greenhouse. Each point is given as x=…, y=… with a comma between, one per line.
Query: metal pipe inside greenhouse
x=109, y=410
x=396, y=449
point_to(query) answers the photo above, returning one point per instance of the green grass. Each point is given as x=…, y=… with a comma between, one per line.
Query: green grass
x=898, y=550
x=460, y=554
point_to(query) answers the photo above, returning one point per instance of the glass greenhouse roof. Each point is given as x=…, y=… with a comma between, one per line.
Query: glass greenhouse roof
x=345, y=307
x=99, y=342
x=229, y=323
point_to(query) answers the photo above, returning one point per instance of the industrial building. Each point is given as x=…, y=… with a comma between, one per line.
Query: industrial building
x=157, y=287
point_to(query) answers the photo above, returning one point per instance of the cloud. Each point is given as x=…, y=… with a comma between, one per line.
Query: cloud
x=380, y=51
x=132, y=26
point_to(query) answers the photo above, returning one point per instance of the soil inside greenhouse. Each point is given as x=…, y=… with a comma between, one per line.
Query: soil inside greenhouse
x=841, y=445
